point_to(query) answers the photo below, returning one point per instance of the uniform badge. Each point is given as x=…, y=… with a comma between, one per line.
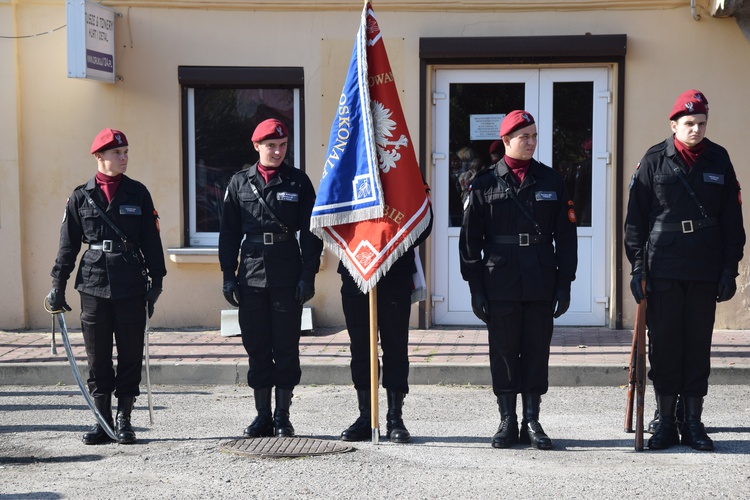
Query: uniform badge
x=545, y=196
x=65, y=212
x=572, y=216
x=711, y=178
x=287, y=196
x=130, y=210
x=571, y=213
x=739, y=193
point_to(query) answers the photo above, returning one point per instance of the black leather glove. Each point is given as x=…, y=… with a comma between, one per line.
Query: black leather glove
x=305, y=292
x=231, y=291
x=636, y=284
x=727, y=285
x=481, y=306
x=562, y=299
x=56, y=300
x=151, y=297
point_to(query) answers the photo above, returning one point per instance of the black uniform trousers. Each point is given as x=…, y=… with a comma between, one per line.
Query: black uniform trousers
x=270, y=322
x=126, y=318
x=680, y=317
x=520, y=333
x=394, y=308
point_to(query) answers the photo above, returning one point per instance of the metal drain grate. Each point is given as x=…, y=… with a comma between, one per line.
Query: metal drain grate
x=272, y=447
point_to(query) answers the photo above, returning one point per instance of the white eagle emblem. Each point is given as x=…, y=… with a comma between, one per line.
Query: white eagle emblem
x=388, y=154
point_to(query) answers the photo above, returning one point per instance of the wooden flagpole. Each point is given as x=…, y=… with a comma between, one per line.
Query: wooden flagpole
x=374, y=372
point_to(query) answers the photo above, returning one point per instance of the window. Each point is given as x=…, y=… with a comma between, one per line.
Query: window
x=221, y=108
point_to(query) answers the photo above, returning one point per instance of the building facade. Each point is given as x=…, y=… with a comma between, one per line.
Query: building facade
x=191, y=77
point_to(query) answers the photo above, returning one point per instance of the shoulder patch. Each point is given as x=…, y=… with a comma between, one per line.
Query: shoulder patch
x=572, y=215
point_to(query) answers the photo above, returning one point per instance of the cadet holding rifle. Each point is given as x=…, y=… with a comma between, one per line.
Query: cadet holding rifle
x=685, y=203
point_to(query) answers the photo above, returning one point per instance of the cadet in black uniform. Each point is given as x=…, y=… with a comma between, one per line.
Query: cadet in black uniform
x=683, y=234
x=120, y=274
x=394, y=308
x=519, y=280
x=264, y=207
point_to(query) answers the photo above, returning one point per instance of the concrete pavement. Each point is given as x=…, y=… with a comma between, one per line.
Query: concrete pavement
x=584, y=356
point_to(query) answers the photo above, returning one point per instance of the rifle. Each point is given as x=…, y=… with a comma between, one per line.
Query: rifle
x=637, y=374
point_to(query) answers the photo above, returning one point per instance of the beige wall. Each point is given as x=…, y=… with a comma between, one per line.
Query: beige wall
x=12, y=304
x=47, y=121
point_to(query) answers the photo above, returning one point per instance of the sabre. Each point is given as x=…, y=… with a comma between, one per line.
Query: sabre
x=148, y=371
x=72, y=361
x=53, y=343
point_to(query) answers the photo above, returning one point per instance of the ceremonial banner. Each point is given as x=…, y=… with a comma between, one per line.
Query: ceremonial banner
x=372, y=203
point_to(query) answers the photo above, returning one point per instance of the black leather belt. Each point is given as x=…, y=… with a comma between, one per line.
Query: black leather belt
x=686, y=226
x=522, y=240
x=269, y=238
x=109, y=246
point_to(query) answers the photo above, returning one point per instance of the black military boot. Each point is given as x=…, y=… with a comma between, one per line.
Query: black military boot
x=262, y=425
x=679, y=417
x=97, y=434
x=666, y=431
x=360, y=430
x=531, y=430
x=507, y=433
x=281, y=423
x=395, y=428
x=654, y=424
x=693, y=432
x=679, y=412
x=123, y=430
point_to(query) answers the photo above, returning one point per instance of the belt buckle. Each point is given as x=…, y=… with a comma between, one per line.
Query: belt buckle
x=268, y=238
x=107, y=246
x=687, y=226
x=523, y=240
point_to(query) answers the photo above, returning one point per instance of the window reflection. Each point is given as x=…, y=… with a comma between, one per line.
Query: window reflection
x=224, y=121
x=571, y=142
x=469, y=155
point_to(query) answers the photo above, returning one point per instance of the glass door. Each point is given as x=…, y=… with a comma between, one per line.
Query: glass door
x=571, y=108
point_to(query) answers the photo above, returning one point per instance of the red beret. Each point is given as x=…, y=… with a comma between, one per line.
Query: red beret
x=515, y=120
x=690, y=102
x=496, y=147
x=108, y=139
x=269, y=129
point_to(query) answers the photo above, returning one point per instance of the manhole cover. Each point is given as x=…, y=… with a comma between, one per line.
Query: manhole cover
x=270, y=447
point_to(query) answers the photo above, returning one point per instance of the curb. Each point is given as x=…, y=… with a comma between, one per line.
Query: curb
x=55, y=373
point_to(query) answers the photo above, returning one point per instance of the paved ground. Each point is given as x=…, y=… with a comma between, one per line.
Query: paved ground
x=201, y=403
x=580, y=356
x=179, y=456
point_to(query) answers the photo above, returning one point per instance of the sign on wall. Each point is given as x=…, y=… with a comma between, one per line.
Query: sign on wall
x=485, y=127
x=91, y=41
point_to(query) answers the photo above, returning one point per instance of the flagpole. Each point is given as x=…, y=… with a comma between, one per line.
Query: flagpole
x=374, y=419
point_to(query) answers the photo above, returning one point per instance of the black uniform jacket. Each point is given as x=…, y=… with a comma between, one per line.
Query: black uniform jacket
x=510, y=271
x=114, y=275
x=291, y=197
x=657, y=196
